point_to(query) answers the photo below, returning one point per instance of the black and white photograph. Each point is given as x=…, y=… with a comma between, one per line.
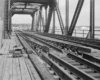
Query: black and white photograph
x=49, y=39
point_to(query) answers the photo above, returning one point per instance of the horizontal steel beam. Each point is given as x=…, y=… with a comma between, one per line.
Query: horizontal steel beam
x=23, y=12
x=32, y=1
x=24, y=8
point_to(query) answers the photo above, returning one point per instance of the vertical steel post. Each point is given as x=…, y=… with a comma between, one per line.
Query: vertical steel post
x=47, y=26
x=32, y=28
x=45, y=14
x=43, y=23
x=92, y=18
x=67, y=17
x=35, y=20
x=10, y=22
x=45, y=17
x=53, y=31
x=6, y=28
x=9, y=16
x=32, y=24
x=75, y=17
x=40, y=19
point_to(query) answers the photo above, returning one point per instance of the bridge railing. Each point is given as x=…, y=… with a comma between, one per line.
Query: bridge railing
x=80, y=33
x=83, y=33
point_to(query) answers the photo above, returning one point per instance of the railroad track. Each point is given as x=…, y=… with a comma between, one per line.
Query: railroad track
x=69, y=67
x=61, y=44
x=77, y=49
x=86, y=42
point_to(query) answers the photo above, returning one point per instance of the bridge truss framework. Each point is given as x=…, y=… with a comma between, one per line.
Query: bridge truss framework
x=39, y=22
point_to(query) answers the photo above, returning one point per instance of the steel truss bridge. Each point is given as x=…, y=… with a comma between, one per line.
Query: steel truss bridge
x=35, y=7
x=64, y=56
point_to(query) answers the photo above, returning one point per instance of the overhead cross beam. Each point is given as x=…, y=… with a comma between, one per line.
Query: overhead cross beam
x=33, y=1
x=23, y=12
x=27, y=9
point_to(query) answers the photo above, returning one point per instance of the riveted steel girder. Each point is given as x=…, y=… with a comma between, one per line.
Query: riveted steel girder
x=19, y=8
x=23, y=12
x=33, y=1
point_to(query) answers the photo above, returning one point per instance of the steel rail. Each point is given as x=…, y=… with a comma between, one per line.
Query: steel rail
x=85, y=62
x=73, y=69
x=59, y=71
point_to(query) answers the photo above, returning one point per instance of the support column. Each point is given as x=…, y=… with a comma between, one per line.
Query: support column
x=40, y=21
x=92, y=18
x=35, y=18
x=53, y=31
x=45, y=16
x=10, y=22
x=43, y=23
x=47, y=26
x=32, y=28
x=67, y=17
x=45, y=13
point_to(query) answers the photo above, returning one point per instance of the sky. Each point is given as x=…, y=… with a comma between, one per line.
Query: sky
x=84, y=17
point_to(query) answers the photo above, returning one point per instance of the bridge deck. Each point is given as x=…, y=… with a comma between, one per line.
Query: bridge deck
x=15, y=68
